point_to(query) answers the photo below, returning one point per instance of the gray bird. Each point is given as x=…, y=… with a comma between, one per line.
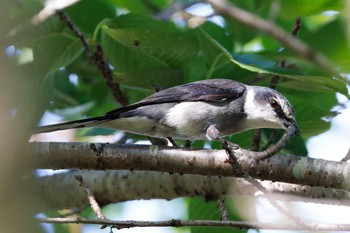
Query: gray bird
x=206, y=109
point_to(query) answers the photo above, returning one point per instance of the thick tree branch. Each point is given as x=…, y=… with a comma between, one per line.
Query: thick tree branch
x=291, y=169
x=117, y=186
x=302, y=49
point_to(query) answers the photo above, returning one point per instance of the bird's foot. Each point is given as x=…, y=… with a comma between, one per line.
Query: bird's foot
x=212, y=133
x=230, y=149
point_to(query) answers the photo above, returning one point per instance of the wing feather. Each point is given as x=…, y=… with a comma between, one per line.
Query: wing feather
x=211, y=90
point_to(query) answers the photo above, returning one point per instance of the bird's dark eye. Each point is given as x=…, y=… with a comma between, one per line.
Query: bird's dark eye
x=273, y=103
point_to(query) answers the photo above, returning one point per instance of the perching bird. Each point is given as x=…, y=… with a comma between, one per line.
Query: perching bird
x=206, y=109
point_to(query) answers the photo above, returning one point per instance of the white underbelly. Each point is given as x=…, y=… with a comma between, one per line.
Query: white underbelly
x=191, y=119
x=142, y=126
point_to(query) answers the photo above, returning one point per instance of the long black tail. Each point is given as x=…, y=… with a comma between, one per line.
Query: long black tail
x=72, y=124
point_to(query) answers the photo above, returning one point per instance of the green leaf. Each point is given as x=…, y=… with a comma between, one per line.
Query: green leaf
x=34, y=32
x=125, y=59
x=259, y=64
x=147, y=36
x=217, y=57
x=219, y=34
x=88, y=14
x=310, y=109
x=135, y=6
x=54, y=51
x=164, y=77
x=61, y=228
x=331, y=40
x=303, y=8
x=215, y=54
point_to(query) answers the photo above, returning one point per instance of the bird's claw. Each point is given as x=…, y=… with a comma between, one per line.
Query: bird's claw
x=230, y=150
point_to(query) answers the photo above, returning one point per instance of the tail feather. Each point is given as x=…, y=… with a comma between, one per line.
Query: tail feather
x=71, y=124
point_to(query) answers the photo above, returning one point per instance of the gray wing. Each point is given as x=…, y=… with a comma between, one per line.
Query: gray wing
x=211, y=90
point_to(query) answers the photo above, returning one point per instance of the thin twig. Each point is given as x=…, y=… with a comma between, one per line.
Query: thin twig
x=271, y=139
x=103, y=66
x=256, y=140
x=98, y=59
x=297, y=26
x=198, y=223
x=346, y=157
x=246, y=176
x=222, y=209
x=276, y=205
x=93, y=203
x=302, y=49
x=65, y=18
x=295, y=31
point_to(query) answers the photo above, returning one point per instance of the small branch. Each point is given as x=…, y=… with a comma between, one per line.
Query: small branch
x=251, y=20
x=93, y=203
x=98, y=59
x=222, y=209
x=65, y=18
x=197, y=223
x=277, y=206
x=103, y=66
x=255, y=183
x=346, y=157
x=296, y=28
x=256, y=140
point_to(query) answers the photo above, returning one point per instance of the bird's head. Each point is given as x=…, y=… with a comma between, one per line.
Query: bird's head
x=268, y=108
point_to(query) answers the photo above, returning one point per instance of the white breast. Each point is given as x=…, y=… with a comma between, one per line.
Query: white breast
x=192, y=118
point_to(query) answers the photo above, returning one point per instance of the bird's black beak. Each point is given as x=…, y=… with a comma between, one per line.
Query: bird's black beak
x=291, y=127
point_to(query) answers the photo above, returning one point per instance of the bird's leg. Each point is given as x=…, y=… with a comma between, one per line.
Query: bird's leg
x=213, y=133
x=158, y=141
x=188, y=143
